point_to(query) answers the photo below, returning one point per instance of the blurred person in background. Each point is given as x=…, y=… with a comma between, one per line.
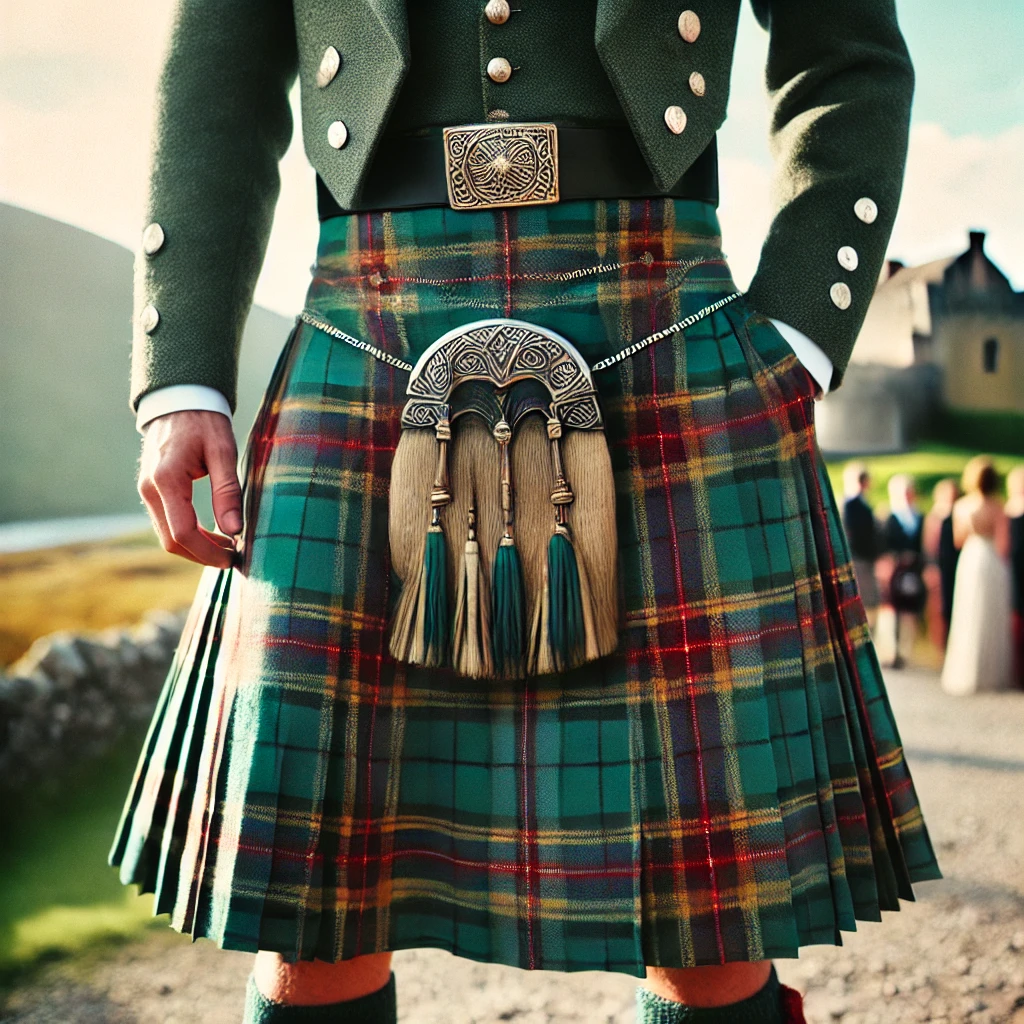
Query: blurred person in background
x=940, y=554
x=979, y=650
x=862, y=535
x=1015, y=515
x=905, y=592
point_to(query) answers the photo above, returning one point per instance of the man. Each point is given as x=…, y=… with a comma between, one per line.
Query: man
x=535, y=183
x=862, y=535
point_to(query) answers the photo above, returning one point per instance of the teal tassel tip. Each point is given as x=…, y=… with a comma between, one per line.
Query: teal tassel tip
x=436, y=625
x=565, y=617
x=508, y=612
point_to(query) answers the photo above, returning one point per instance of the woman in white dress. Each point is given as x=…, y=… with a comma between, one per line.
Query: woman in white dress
x=979, y=655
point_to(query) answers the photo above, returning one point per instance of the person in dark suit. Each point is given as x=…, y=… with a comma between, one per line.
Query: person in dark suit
x=862, y=535
x=905, y=594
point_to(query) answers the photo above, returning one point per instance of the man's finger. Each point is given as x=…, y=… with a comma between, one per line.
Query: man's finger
x=176, y=494
x=155, y=507
x=220, y=456
x=222, y=541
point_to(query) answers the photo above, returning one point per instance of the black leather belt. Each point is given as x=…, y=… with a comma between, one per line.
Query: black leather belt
x=409, y=171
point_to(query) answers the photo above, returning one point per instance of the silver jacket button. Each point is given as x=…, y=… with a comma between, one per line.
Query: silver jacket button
x=329, y=64
x=675, y=118
x=689, y=26
x=337, y=134
x=697, y=84
x=866, y=209
x=841, y=295
x=149, y=318
x=499, y=69
x=153, y=239
x=497, y=11
x=848, y=258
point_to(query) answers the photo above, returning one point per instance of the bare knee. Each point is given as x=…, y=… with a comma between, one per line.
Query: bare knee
x=709, y=986
x=315, y=982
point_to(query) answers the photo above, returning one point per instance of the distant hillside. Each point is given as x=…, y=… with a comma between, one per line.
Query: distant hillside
x=68, y=444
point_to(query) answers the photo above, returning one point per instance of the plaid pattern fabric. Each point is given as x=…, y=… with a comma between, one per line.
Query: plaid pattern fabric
x=729, y=785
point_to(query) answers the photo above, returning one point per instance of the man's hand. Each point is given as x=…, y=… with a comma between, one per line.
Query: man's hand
x=176, y=449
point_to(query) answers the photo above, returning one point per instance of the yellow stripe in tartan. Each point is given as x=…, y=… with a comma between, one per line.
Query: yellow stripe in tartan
x=508, y=904
x=368, y=411
x=738, y=819
x=910, y=821
x=893, y=758
x=701, y=466
x=496, y=834
x=722, y=604
x=348, y=481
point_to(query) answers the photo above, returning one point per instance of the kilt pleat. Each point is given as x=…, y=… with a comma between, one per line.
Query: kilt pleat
x=728, y=785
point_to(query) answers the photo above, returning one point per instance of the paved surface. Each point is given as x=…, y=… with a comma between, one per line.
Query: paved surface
x=955, y=956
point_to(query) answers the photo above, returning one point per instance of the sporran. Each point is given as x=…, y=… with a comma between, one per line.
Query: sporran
x=502, y=507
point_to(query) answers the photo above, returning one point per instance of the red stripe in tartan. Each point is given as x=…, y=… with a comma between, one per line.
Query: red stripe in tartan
x=318, y=441
x=692, y=430
x=681, y=596
x=508, y=263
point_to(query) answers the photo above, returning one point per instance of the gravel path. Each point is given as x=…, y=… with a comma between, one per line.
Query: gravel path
x=955, y=956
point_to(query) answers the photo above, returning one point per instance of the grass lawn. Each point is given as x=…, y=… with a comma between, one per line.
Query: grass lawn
x=927, y=464
x=59, y=895
x=88, y=586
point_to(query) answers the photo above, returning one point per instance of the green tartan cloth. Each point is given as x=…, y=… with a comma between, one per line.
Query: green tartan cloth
x=728, y=785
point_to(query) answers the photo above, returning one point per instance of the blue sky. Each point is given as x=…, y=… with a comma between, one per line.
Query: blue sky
x=966, y=163
x=968, y=60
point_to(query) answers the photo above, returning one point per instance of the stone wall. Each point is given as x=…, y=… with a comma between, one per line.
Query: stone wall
x=71, y=697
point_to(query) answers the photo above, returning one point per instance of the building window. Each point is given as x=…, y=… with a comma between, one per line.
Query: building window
x=990, y=355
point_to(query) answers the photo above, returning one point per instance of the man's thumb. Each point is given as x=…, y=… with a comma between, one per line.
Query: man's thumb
x=225, y=489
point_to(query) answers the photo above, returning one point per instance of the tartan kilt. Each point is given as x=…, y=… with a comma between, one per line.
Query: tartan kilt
x=729, y=785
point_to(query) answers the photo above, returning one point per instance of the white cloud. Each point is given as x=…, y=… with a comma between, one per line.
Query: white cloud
x=956, y=183
x=953, y=184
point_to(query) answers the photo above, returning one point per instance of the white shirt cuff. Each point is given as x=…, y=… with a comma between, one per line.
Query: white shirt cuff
x=177, y=398
x=817, y=364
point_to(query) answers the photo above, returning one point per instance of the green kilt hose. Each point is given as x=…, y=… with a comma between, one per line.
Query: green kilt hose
x=729, y=785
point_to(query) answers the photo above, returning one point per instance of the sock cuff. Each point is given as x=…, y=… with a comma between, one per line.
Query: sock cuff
x=378, y=1007
x=763, y=1007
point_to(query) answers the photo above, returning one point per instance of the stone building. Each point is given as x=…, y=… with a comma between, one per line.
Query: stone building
x=940, y=340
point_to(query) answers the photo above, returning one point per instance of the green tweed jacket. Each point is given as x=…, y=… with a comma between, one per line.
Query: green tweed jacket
x=838, y=74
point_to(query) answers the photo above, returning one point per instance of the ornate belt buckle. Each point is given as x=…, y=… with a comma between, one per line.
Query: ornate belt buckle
x=489, y=165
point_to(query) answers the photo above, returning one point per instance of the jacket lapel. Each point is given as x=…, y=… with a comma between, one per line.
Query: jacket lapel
x=390, y=15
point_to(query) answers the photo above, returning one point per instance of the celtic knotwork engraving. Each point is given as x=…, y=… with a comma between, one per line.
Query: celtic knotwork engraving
x=502, y=352
x=470, y=364
x=561, y=375
x=501, y=165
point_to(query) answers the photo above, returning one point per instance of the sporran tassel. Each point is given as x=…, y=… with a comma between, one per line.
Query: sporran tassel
x=433, y=615
x=508, y=611
x=471, y=652
x=566, y=626
x=508, y=592
x=423, y=620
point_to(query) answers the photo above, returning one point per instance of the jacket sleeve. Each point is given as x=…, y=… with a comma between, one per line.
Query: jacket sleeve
x=840, y=82
x=224, y=122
